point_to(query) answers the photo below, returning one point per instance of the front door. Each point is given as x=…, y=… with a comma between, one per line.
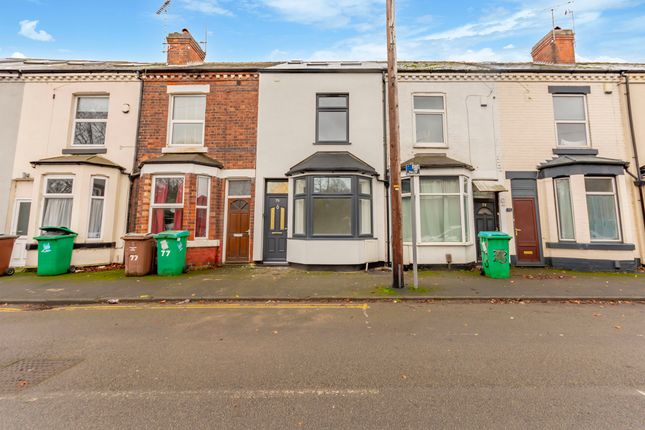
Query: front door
x=19, y=228
x=485, y=219
x=275, y=228
x=238, y=231
x=527, y=241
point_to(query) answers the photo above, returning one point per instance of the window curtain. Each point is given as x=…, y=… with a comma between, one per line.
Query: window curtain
x=96, y=219
x=57, y=212
x=603, y=223
x=440, y=219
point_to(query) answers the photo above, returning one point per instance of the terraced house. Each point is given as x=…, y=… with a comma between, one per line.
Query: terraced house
x=196, y=153
x=70, y=130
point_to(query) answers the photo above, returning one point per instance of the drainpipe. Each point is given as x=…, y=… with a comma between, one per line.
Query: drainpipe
x=639, y=181
x=132, y=203
x=386, y=176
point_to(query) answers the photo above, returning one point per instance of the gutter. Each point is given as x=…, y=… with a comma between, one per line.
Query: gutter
x=386, y=176
x=639, y=181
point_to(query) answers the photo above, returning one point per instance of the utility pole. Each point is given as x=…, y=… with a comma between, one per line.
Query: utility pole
x=395, y=162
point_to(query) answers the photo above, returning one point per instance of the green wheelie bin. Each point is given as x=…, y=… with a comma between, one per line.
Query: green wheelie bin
x=171, y=252
x=496, y=261
x=55, y=246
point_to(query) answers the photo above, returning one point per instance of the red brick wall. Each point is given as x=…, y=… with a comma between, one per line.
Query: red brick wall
x=230, y=137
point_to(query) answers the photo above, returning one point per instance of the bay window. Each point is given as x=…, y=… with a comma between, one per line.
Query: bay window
x=97, y=205
x=167, y=209
x=602, y=208
x=187, y=120
x=57, y=202
x=201, y=207
x=443, y=209
x=332, y=206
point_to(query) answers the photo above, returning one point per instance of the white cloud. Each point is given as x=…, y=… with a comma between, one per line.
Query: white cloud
x=28, y=30
x=515, y=21
x=210, y=7
x=18, y=55
x=600, y=59
x=509, y=46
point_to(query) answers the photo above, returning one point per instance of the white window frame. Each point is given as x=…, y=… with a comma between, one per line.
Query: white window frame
x=56, y=196
x=614, y=193
x=557, y=209
x=75, y=120
x=463, y=194
x=89, y=212
x=207, y=207
x=172, y=122
x=443, y=113
x=154, y=205
x=585, y=122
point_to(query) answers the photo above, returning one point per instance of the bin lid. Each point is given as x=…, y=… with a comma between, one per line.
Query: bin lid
x=494, y=235
x=57, y=231
x=172, y=234
x=138, y=236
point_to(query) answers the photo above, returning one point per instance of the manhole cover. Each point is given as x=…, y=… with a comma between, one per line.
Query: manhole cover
x=23, y=374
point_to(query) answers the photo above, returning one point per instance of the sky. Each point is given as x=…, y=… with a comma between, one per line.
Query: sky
x=275, y=30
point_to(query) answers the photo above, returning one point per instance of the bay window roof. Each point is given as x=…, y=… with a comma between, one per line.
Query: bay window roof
x=436, y=161
x=332, y=162
x=93, y=160
x=197, y=158
x=566, y=165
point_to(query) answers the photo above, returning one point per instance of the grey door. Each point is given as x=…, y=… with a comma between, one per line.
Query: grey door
x=275, y=228
x=485, y=219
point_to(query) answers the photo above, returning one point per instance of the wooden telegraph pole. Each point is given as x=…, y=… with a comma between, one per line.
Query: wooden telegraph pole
x=395, y=162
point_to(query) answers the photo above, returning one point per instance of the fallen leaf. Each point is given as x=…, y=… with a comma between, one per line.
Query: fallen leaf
x=617, y=327
x=404, y=376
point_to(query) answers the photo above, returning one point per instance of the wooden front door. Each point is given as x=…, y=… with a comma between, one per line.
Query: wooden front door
x=527, y=240
x=238, y=231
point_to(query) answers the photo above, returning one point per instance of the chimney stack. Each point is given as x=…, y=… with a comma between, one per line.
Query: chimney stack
x=557, y=47
x=183, y=49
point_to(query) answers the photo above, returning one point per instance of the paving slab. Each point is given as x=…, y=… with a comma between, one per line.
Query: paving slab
x=286, y=283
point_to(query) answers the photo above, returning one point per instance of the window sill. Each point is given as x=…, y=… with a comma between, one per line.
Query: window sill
x=332, y=143
x=434, y=244
x=334, y=238
x=582, y=150
x=203, y=243
x=597, y=246
x=85, y=150
x=183, y=149
x=430, y=145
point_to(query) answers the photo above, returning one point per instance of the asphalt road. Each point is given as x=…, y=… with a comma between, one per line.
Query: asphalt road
x=387, y=366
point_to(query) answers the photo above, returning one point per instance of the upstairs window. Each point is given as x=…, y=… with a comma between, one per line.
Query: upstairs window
x=571, y=120
x=90, y=120
x=58, y=200
x=332, y=122
x=429, y=120
x=187, y=120
x=167, y=204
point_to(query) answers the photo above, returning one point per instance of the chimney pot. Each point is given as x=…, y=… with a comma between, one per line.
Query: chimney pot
x=557, y=47
x=183, y=49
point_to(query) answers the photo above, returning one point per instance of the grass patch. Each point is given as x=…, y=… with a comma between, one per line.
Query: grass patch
x=386, y=291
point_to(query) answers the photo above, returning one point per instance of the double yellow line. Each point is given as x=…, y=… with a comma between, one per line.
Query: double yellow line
x=234, y=306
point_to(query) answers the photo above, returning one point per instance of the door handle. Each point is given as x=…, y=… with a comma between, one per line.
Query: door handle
x=517, y=230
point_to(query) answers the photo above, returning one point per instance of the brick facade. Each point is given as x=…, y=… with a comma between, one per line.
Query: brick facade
x=230, y=137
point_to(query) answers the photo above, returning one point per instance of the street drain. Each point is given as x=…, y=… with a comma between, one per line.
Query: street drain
x=23, y=374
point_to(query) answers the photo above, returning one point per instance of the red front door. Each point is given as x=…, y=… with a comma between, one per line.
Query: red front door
x=527, y=241
x=238, y=231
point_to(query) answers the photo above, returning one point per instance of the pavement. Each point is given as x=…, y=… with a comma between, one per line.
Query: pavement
x=309, y=366
x=260, y=283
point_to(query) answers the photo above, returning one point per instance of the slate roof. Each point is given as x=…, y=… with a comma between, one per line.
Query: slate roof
x=436, y=161
x=93, y=160
x=568, y=160
x=188, y=158
x=333, y=161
